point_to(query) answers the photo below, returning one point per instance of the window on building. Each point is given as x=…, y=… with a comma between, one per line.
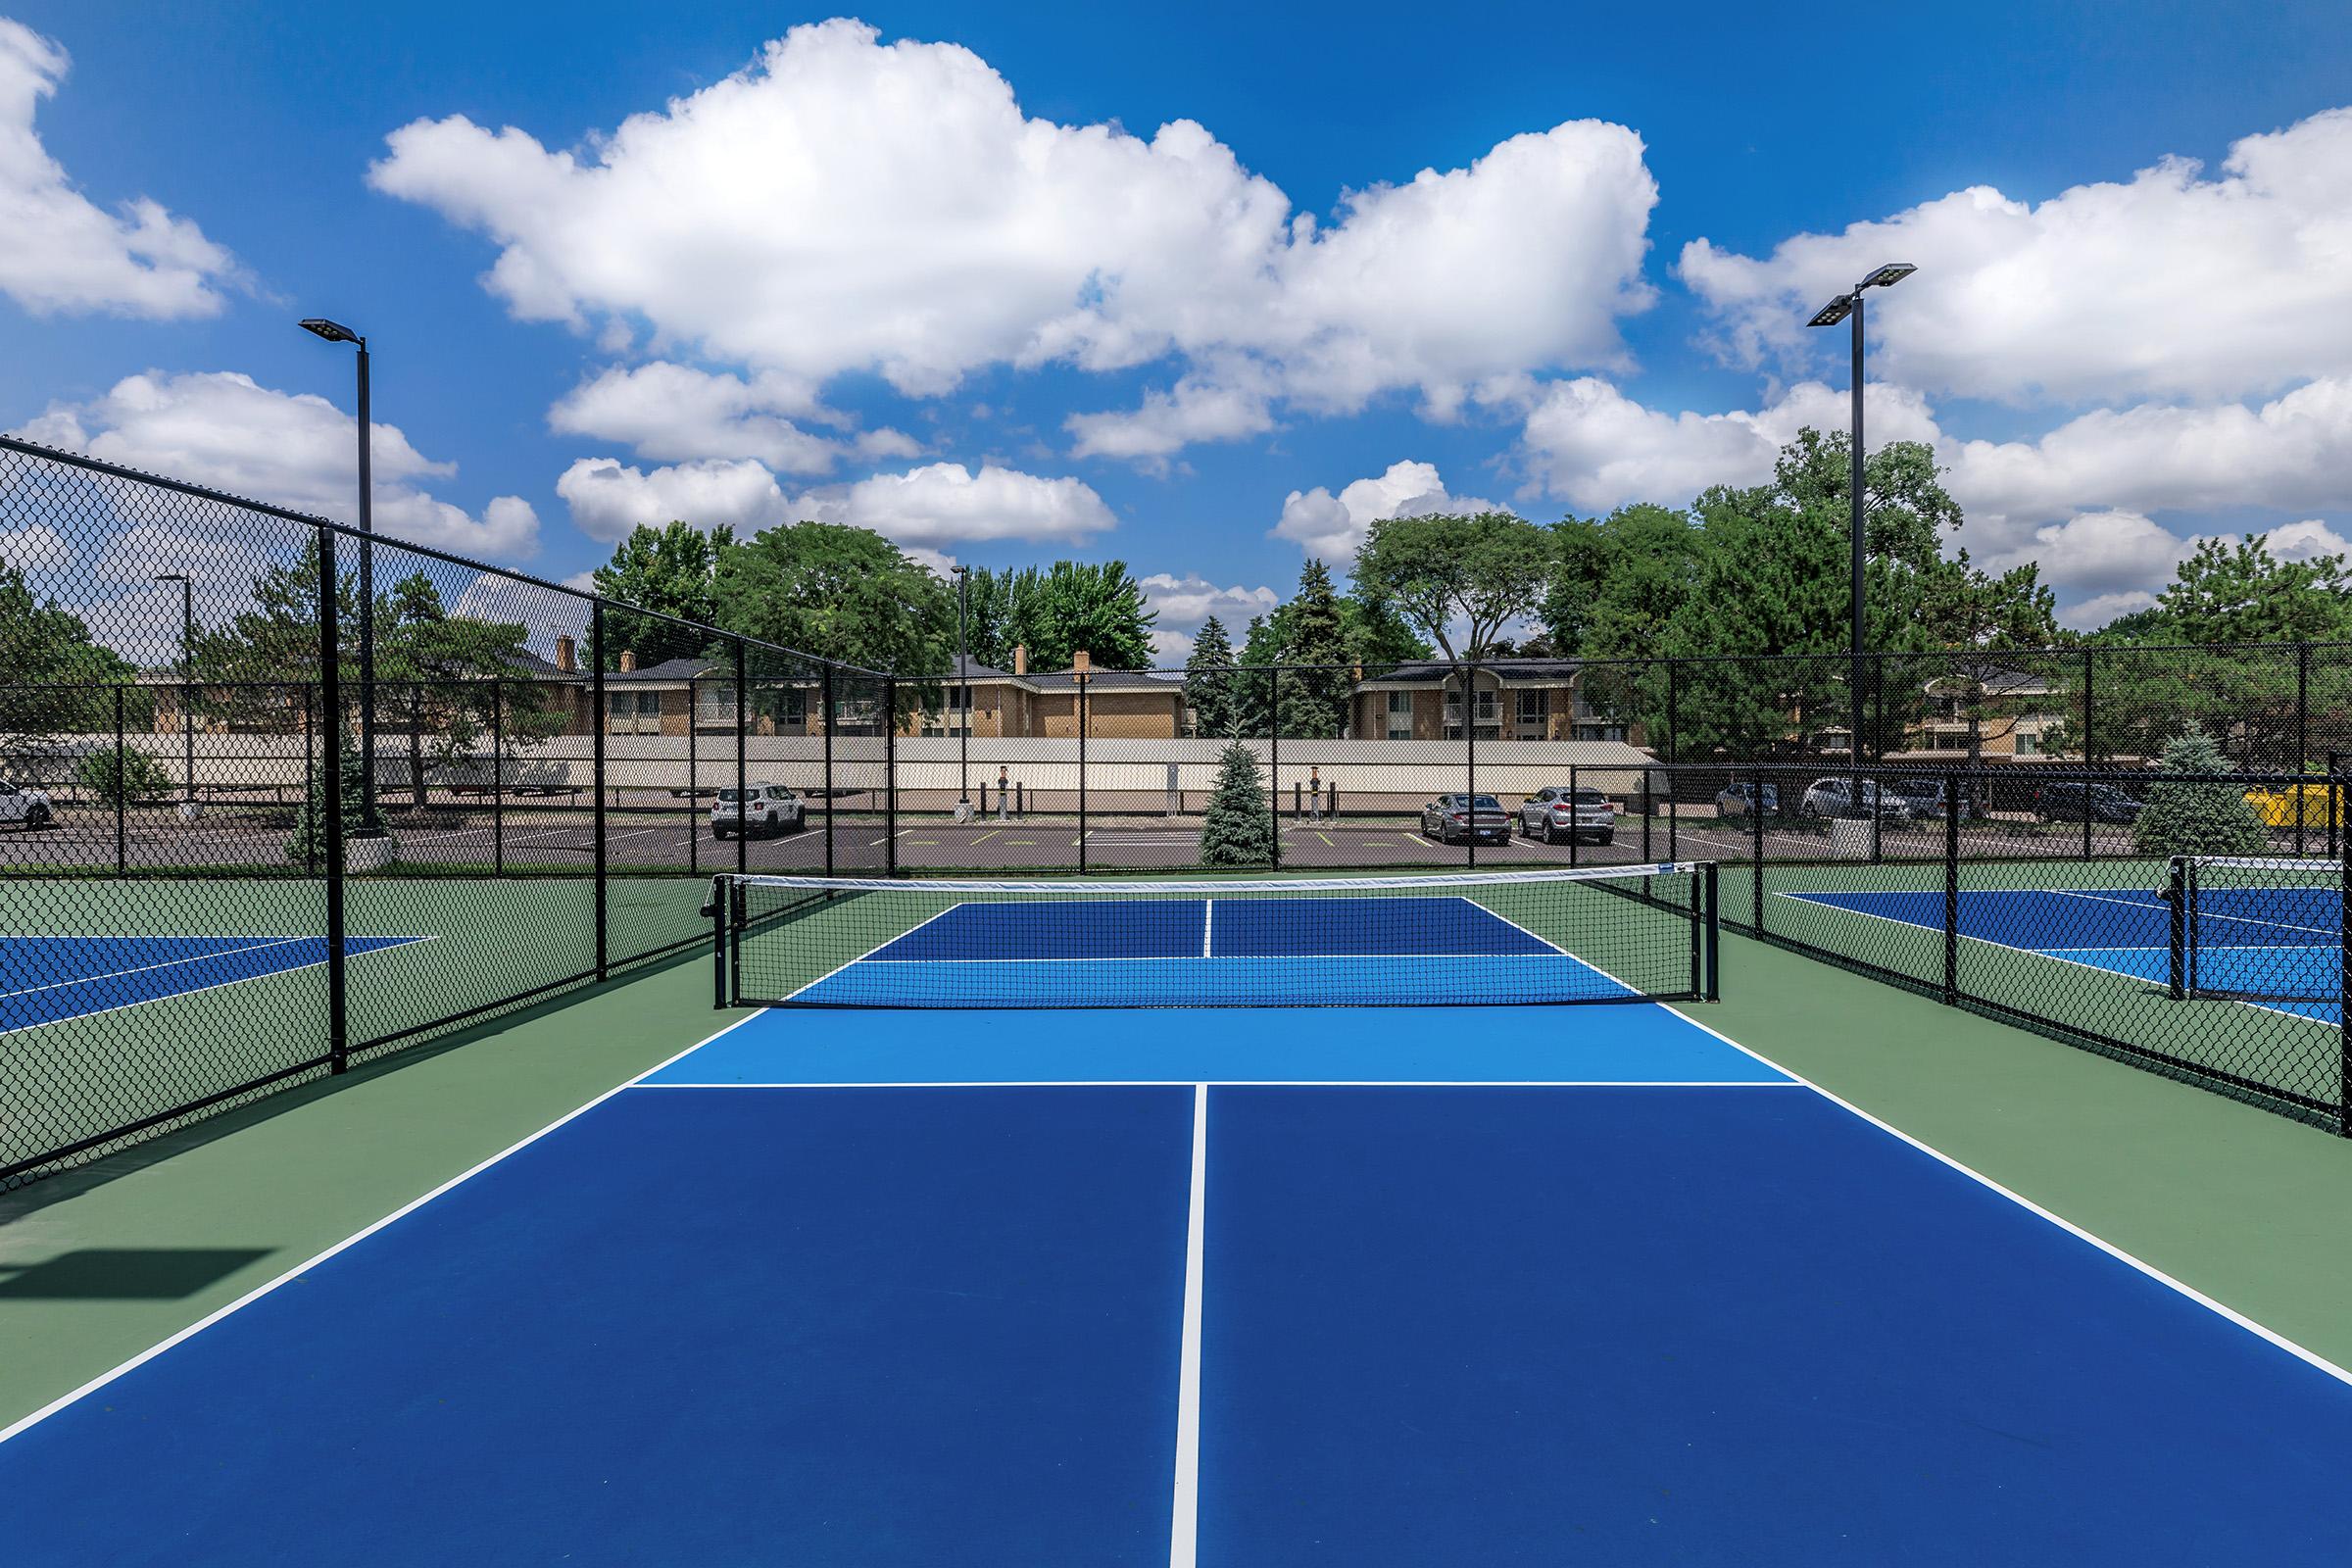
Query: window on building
x=1530, y=709
x=2028, y=744
x=715, y=702
x=1401, y=716
x=633, y=712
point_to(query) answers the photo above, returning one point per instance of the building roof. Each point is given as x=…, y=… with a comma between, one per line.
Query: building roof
x=1509, y=672
x=1125, y=681
x=676, y=671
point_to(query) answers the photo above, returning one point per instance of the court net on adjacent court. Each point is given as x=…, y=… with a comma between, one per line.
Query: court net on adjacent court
x=1613, y=934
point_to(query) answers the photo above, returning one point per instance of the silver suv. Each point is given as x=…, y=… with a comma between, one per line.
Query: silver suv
x=768, y=808
x=1835, y=797
x=1454, y=819
x=1583, y=815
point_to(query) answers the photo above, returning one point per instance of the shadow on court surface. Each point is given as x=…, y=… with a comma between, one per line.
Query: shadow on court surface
x=125, y=1273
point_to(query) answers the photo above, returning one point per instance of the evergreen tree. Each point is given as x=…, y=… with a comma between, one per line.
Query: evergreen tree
x=1208, y=682
x=1238, y=828
x=307, y=846
x=2197, y=818
x=1314, y=701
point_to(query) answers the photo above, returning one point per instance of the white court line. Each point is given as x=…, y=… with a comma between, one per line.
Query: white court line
x=1208, y=924
x=167, y=963
x=2234, y=919
x=348, y=1241
x=1247, y=1083
x=1183, y=1526
x=389, y=944
x=2312, y=1357
x=862, y=958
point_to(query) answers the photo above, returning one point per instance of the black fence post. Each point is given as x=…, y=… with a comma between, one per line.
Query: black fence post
x=331, y=704
x=1078, y=712
x=1647, y=800
x=122, y=772
x=1674, y=727
x=1572, y=801
x=1470, y=763
x=1951, y=888
x=498, y=776
x=722, y=892
x=2302, y=732
x=890, y=776
x=1756, y=837
x=1274, y=765
x=2090, y=668
x=2343, y=971
x=743, y=765
x=2336, y=796
x=596, y=662
x=828, y=700
x=694, y=720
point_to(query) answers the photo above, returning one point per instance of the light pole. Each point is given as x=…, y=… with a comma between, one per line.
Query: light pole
x=963, y=697
x=336, y=333
x=1844, y=307
x=187, y=693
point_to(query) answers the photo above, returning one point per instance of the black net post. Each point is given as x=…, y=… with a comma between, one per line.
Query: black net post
x=890, y=780
x=596, y=662
x=330, y=809
x=2180, y=888
x=1951, y=888
x=1708, y=981
x=828, y=700
x=721, y=894
x=498, y=777
x=743, y=765
x=121, y=774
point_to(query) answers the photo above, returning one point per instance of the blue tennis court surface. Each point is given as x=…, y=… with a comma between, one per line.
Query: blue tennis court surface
x=1214, y=953
x=1597, y=1286
x=2274, y=943
x=45, y=979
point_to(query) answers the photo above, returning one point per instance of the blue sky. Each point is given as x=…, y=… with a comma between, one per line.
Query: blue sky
x=952, y=279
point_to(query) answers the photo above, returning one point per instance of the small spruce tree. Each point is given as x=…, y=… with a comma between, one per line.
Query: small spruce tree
x=1237, y=828
x=308, y=846
x=2194, y=818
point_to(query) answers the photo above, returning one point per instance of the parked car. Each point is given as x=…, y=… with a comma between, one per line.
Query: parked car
x=1924, y=797
x=1457, y=818
x=765, y=809
x=2072, y=801
x=1583, y=815
x=22, y=808
x=1732, y=798
x=1835, y=797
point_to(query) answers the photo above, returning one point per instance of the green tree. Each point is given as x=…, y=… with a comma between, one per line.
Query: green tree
x=1441, y=572
x=123, y=775
x=666, y=570
x=1208, y=682
x=56, y=676
x=2191, y=817
x=1054, y=612
x=1237, y=828
x=840, y=593
x=437, y=675
x=1980, y=627
x=307, y=847
x=1314, y=633
x=1376, y=636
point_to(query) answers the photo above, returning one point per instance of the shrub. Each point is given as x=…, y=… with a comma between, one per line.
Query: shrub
x=119, y=775
x=1237, y=827
x=2187, y=817
x=308, y=846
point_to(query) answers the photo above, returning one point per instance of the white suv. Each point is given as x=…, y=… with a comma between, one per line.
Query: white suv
x=770, y=808
x=22, y=808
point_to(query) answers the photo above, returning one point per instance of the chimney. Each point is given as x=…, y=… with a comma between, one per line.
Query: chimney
x=567, y=658
x=628, y=660
x=1020, y=659
x=1082, y=664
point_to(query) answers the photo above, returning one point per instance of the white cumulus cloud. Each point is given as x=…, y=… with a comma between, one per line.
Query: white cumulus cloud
x=59, y=250
x=608, y=497
x=845, y=205
x=1191, y=599
x=224, y=429
x=673, y=412
x=2172, y=283
x=1330, y=527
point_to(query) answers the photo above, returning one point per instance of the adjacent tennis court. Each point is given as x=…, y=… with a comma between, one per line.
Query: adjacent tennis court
x=1368, y=1284
x=46, y=979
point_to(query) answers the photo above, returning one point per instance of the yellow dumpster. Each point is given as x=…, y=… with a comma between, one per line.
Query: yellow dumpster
x=2283, y=807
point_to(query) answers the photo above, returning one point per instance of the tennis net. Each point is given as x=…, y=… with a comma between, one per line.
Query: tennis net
x=2252, y=928
x=1601, y=934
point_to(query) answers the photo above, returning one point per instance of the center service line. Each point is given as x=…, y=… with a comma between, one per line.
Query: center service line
x=1183, y=1526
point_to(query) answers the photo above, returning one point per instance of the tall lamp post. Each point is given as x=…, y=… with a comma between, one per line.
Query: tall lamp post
x=1845, y=307
x=188, y=692
x=336, y=333
x=963, y=697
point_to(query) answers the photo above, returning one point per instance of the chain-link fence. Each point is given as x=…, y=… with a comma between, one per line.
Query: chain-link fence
x=280, y=798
